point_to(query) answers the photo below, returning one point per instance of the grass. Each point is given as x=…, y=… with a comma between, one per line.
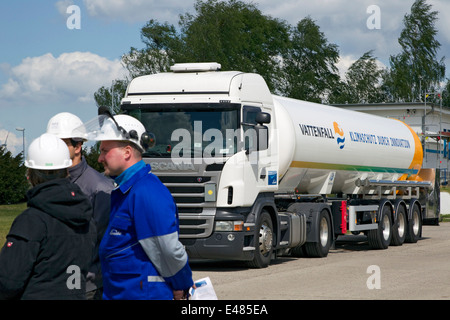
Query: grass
x=7, y=215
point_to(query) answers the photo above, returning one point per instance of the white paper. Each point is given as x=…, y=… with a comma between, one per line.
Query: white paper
x=204, y=290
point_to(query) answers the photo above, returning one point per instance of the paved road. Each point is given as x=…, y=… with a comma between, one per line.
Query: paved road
x=412, y=271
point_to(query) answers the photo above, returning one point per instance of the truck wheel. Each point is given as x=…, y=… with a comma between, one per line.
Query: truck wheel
x=264, y=240
x=381, y=237
x=399, y=227
x=414, y=230
x=321, y=248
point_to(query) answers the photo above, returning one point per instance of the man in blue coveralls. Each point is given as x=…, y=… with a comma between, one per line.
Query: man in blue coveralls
x=141, y=255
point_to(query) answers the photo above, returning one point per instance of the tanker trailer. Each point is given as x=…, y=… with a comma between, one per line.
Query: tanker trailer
x=373, y=163
x=256, y=175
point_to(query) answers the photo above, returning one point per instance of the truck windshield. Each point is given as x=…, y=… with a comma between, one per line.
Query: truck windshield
x=189, y=130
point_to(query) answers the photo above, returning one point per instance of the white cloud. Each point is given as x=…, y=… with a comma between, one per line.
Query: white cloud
x=73, y=76
x=138, y=10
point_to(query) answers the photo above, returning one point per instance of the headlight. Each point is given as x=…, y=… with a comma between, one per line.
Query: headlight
x=229, y=225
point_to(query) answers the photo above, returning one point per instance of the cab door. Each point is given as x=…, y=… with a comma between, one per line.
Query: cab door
x=260, y=161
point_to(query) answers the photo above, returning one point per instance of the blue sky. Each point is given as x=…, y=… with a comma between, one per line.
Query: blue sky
x=47, y=68
x=37, y=27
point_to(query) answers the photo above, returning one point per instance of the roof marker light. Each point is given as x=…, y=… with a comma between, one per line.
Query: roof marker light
x=196, y=67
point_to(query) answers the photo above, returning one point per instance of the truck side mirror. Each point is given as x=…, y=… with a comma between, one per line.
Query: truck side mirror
x=262, y=132
x=262, y=117
x=258, y=134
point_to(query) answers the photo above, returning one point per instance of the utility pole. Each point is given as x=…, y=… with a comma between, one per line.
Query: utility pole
x=23, y=141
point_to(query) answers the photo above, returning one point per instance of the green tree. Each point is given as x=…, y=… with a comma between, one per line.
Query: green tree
x=13, y=183
x=362, y=83
x=416, y=69
x=162, y=43
x=237, y=35
x=112, y=96
x=233, y=33
x=309, y=69
x=446, y=94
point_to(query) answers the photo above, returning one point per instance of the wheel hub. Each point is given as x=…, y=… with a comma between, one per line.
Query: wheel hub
x=265, y=239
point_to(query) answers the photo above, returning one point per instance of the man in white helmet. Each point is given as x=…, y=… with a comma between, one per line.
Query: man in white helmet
x=141, y=255
x=49, y=246
x=95, y=185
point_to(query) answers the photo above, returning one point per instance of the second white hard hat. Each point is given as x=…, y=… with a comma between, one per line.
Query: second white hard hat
x=63, y=124
x=48, y=152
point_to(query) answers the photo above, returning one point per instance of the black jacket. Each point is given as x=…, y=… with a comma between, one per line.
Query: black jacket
x=50, y=245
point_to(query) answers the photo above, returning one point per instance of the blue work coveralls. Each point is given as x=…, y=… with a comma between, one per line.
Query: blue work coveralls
x=140, y=253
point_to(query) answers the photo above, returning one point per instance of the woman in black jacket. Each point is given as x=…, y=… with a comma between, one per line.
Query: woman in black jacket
x=49, y=246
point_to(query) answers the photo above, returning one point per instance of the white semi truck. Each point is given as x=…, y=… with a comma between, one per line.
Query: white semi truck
x=255, y=175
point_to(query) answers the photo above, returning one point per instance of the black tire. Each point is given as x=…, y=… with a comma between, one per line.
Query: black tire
x=380, y=238
x=400, y=227
x=414, y=230
x=264, y=241
x=298, y=251
x=321, y=248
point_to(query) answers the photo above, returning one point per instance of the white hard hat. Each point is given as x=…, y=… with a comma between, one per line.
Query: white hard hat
x=48, y=152
x=118, y=128
x=63, y=124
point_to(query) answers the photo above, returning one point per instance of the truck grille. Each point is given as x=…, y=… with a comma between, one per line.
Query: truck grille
x=196, y=226
x=187, y=191
x=196, y=215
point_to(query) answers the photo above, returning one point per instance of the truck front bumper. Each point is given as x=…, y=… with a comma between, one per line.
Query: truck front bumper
x=221, y=245
x=233, y=244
